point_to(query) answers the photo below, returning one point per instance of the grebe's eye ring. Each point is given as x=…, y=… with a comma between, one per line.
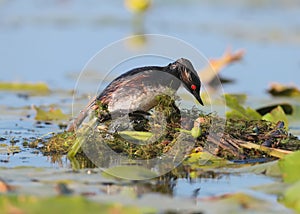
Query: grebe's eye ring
x=193, y=87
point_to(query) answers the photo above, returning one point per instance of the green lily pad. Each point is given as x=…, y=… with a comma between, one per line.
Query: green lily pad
x=31, y=204
x=33, y=88
x=269, y=168
x=205, y=160
x=243, y=203
x=241, y=98
x=276, y=115
x=131, y=172
x=50, y=115
x=290, y=167
x=287, y=108
x=238, y=111
x=276, y=188
x=291, y=197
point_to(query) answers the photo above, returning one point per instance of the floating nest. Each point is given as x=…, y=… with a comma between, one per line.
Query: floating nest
x=230, y=139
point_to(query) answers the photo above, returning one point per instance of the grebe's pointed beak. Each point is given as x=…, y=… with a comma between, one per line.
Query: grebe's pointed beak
x=198, y=98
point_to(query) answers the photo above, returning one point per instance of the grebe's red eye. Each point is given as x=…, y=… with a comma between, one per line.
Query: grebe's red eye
x=193, y=87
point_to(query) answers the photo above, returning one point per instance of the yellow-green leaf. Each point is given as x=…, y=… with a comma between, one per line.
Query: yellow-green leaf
x=238, y=111
x=33, y=88
x=291, y=197
x=290, y=167
x=276, y=115
x=50, y=115
x=196, y=132
x=131, y=172
x=205, y=160
x=74, y=205
x=135, y=135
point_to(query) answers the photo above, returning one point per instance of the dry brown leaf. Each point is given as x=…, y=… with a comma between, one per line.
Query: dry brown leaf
x=209, y=73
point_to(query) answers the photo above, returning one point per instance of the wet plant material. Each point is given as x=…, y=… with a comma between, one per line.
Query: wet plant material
x=57, y=144
x=240, y=137
x=230, y=142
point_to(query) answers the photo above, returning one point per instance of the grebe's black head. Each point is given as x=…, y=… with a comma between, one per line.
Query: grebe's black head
x=184, y=70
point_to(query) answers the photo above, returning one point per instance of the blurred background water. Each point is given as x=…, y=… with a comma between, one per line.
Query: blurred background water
x=43, y=40
x=52, y=40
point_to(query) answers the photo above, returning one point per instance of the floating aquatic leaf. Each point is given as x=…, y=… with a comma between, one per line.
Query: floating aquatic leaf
x=50, y=115
x=287, y=108
x=32, y=88
x=268, y=168
x=290, y=167
x=76, y=204
x=278, y=89
x=238, y=111
x=276, y=115
x=205, y=160
x=291, y=197
x=131, y=172
x=242, y=203
x=276, y=188
x=241, y=98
